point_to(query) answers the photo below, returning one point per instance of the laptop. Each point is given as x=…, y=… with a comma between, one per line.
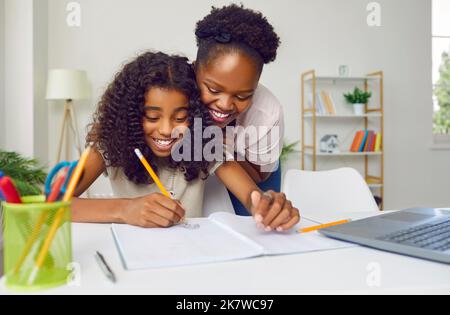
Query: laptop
x=416, y=232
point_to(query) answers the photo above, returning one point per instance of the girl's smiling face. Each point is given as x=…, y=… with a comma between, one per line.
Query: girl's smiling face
x=165, y=109
x=227, y=85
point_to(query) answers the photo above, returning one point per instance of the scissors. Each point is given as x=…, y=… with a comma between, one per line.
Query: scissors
x=70, y=166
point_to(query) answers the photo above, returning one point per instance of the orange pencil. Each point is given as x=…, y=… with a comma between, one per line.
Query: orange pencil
x=322, y=226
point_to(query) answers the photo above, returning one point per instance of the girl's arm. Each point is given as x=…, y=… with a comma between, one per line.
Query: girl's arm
x=154, y=210
x=270, y=209
x=92, y=210
x=94, y=167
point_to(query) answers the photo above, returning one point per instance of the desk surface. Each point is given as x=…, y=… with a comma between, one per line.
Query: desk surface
x=352, y=270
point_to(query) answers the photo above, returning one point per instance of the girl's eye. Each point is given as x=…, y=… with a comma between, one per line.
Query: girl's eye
x=152, y=119
x=181, y=119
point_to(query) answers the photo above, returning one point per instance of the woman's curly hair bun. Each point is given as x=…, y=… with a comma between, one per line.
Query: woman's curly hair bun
x=234, y=24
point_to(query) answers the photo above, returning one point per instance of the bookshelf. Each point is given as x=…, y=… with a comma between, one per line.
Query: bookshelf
x=373, y=116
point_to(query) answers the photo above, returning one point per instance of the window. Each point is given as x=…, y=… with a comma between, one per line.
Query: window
x=441, y=70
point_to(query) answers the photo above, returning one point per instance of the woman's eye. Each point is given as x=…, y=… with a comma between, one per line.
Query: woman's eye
x=213, y=91
x=243, y=98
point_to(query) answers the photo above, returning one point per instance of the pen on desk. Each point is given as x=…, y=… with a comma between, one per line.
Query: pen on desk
x=322, y=226
x=104, y=267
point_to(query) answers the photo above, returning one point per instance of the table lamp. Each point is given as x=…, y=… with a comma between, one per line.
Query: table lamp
x=68, y=85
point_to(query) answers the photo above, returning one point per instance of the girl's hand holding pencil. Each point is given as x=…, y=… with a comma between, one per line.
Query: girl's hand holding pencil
x=157, y=210
x=153, y=211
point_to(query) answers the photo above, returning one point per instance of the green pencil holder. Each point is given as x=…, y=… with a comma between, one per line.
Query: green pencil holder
x=26, y=229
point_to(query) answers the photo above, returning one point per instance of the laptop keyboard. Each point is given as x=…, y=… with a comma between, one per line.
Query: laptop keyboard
x=428, y=236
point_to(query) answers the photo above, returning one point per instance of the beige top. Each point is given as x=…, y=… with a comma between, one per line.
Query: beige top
x=266, y=116
x=190, y=194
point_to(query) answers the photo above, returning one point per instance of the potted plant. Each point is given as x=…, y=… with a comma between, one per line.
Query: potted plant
x=358, y=99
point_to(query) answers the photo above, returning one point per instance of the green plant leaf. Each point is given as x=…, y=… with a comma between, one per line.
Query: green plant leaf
x=287, y=150
x=26, y=174
x=441, y=121
x=358, y=96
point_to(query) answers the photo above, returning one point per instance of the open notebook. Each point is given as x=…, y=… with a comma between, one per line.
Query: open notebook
x=220, y=237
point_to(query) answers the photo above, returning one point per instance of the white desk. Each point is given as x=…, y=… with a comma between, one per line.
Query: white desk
x=337, y=271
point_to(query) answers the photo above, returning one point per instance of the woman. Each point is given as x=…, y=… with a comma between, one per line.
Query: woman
x=234, y=44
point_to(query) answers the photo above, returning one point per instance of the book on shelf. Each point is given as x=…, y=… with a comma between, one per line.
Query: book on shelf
x=324, y=103
x=320, y=105
x=357, y=141
x=329, y=105
x=366, y=141
x=363, y=142
x=370, y=140
x=378, y=143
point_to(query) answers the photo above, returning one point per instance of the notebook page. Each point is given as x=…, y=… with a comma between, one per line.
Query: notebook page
x=275, y=243
x=154, y=248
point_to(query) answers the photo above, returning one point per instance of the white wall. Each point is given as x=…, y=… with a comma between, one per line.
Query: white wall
x=40, y=67
x=318, y=34
x=25, y=112
x=2, y=73
x=19, y=76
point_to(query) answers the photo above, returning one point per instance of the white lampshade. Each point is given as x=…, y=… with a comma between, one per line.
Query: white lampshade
x=67, y=84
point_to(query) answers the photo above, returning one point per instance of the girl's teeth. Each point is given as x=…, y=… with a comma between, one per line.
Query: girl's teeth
x=163, y=142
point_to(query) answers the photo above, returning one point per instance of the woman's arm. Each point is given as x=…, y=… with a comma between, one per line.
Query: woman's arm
x=254, y=171
x=237, y=180
x=271, y=210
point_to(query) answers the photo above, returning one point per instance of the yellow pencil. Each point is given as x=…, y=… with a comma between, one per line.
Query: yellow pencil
x=154, y=177
x=152, y=173
x=59, y=215
x=322, y=226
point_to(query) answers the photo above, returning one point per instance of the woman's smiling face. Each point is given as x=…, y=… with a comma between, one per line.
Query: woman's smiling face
x=165, y=110
x=227, y=85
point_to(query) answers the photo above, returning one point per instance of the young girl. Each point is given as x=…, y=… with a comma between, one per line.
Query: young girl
x=234, y=44
x=153, y=95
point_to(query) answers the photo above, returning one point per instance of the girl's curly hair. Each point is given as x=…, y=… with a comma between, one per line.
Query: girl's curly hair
x=117, y=128
x=234, y=27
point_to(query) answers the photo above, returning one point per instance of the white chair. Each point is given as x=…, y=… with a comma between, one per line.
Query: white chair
x=341, y=190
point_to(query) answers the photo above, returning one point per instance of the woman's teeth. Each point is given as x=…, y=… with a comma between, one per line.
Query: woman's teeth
x=219, y=115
